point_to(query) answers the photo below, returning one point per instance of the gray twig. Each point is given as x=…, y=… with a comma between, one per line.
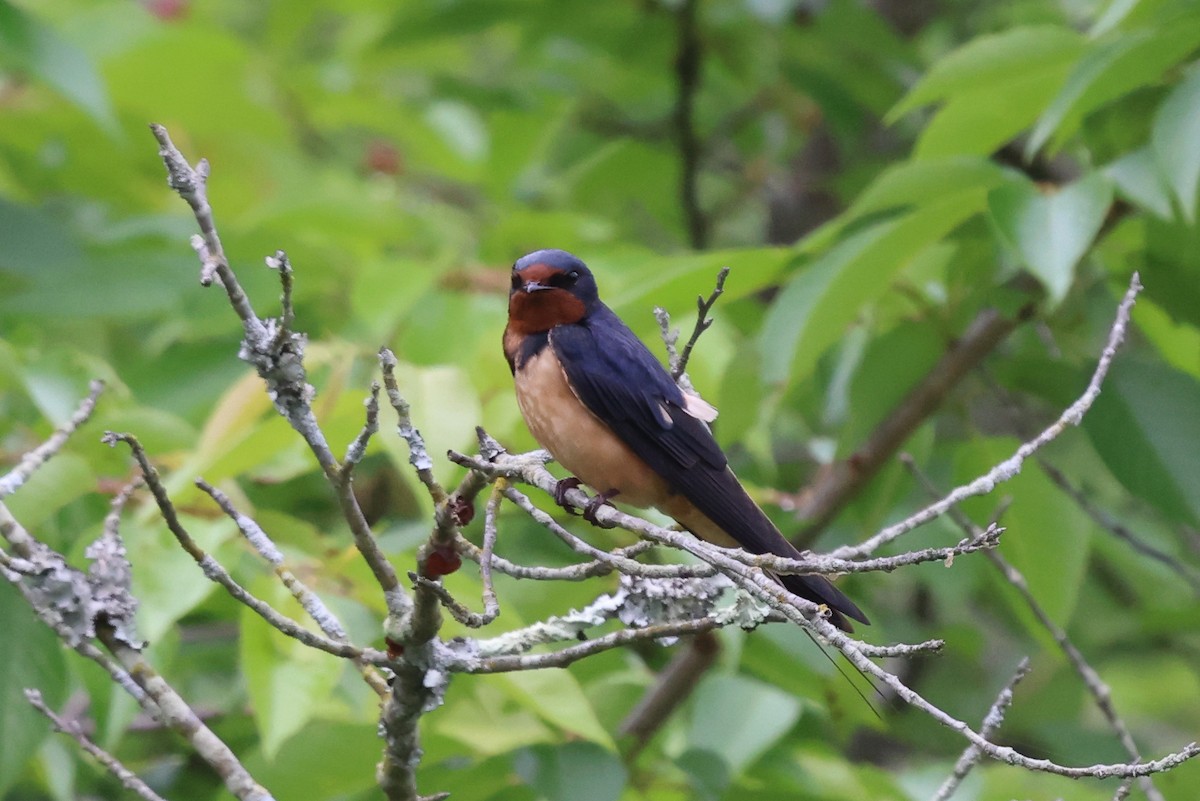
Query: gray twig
x=1087, y=674
x=128, y=778
x=11, y=481
x=213, y=570
x=358, y=448
x=991, y=722
x=325, y=619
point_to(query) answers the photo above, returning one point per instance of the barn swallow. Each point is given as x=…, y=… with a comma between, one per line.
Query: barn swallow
x=596, y=397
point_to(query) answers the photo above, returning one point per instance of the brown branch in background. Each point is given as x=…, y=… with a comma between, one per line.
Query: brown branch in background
x=673, y=685
x=688, y=66
x=837, y=483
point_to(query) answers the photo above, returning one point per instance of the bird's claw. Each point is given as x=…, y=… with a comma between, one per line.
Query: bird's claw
x=560, y=493
x=593, y=505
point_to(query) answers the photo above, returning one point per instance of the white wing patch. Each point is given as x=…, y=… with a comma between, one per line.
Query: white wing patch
x=699, y=408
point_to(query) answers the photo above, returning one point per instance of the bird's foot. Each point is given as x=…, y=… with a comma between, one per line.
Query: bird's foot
x=593, y=505
x=560, y=493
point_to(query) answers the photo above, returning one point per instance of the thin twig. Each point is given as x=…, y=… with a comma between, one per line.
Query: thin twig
x=320, y=614
x=192, y=186
x=808, y=615
x=182, y=719
x=128, y=778
x=358, y=448
x=991, y=722
x=573, y=653
x=1091, y=679
x=13, y=569
x=582, y=570
x=1116, y=528
x=214, y=571
x=418, y=456
x=11, y=481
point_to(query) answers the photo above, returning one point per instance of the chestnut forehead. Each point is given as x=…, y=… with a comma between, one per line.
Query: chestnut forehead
x=540, y=272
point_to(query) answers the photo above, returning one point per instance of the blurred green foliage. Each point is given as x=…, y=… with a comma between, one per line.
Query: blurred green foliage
x=875, y=175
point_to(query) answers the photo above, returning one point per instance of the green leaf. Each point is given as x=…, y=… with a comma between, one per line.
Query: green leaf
x=166, y=580
x=978, y=123
x=287, y=682
x=490, y=724
x=56, y=483
x=892, y=365
x=819, y=302
x=1173, y=139
x=556, y=697
x=1178, y=344
x=1110, y=69
x=674, y=282
x=915, y=182
x=1137, y=178
x=736, y=719
x=989, y=62
x=444, y=408
x=33, y=658
x=1050, y=234
x=572, y=772
x=28, y=44
x=332, y=760
x=1146, y=428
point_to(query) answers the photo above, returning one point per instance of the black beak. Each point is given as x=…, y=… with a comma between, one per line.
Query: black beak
x=533, y=286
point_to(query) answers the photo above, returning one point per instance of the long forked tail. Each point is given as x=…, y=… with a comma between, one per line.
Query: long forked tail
x=820, y=590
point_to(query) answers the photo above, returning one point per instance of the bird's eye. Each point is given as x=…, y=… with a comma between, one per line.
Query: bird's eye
x=573, y=276
x=516, y=281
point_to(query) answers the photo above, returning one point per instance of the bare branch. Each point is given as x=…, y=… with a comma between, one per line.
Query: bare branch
x=358, y=448
x=991, y=722
x=1091, y=679
x=128, y=778
x=809, y=616
x=192, y=186
x=677, y=362
x=11, y=481
x=213, y=570
x=418, y=456
x=571, y=654
x=277, y=354
x=181, y=718
x=583, y=570
x=309, y=600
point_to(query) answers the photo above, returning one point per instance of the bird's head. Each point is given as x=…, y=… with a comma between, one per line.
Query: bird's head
x=549, y=288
